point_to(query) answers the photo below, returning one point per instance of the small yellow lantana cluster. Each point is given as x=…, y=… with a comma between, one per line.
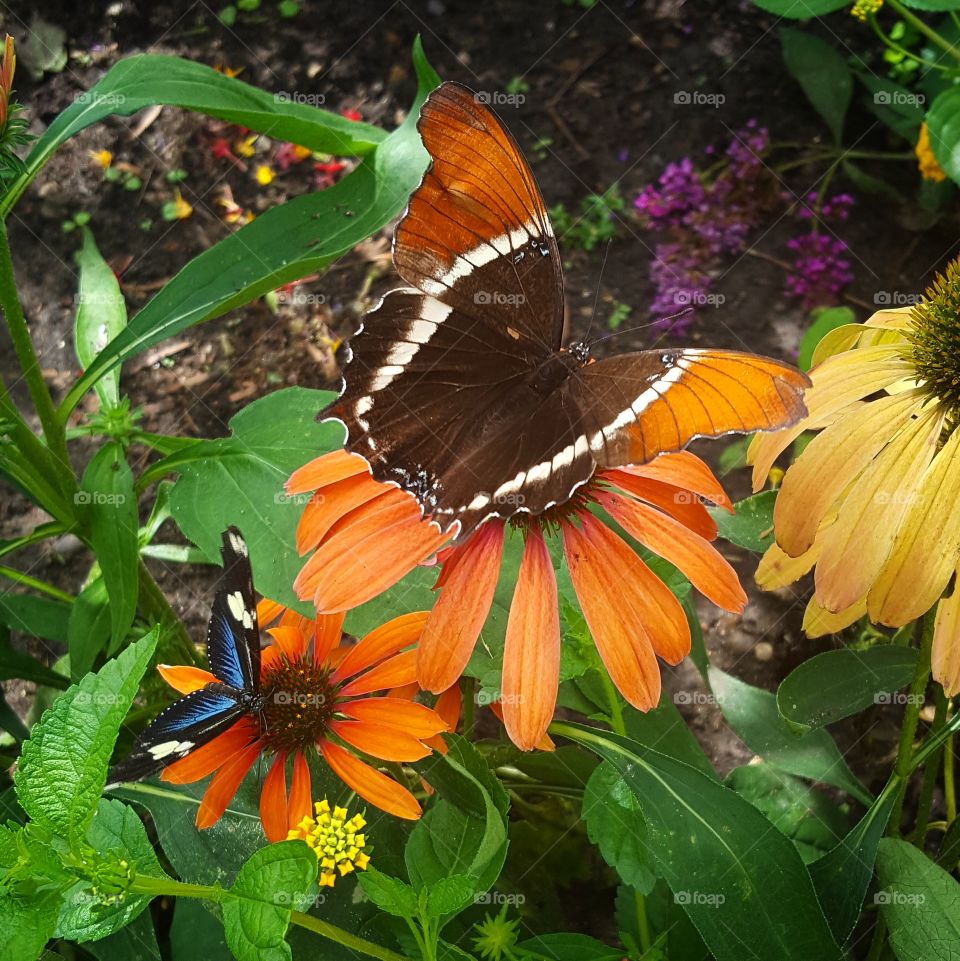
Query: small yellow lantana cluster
x=862, y=9
x=335, y=840
x=926, y=161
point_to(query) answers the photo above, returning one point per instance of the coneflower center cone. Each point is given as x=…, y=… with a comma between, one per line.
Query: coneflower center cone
x=299, y=701
x=934, y=336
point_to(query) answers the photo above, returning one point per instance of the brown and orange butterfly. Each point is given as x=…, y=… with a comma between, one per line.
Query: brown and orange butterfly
x=458, y=389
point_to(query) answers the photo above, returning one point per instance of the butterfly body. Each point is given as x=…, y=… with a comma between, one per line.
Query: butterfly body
x=233, y=652
x=457, y=388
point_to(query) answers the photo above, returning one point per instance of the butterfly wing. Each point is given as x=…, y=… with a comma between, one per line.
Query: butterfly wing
x=433, y=362
x=179, y=729
x=233, y=636
x=636, y=406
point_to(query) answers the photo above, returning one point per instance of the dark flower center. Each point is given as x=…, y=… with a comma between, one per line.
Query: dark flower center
x=552, y=519
x=299, y=701
x=934, y=337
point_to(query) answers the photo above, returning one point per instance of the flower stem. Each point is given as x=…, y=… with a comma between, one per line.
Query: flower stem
x=930, y=771
x=144, y=884
x=908, y=729
x=893, y=45
x=949, y=783
x=27, y=358
x=927, y=31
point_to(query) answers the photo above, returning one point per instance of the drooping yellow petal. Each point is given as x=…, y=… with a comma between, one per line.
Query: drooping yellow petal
x=817, y=621
x=856, y=547
x=778, y=569
x=945, y=656
x=896, y=317
x=838, y=382
x=925, y=553
x=833, y=459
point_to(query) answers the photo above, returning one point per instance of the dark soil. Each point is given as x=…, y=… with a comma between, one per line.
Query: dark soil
x=601, y=85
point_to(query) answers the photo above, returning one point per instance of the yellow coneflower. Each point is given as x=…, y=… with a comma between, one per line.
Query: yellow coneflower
x=926, y=161
x=872, y=504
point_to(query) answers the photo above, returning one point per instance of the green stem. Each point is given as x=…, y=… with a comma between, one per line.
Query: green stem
x=949, y=782
x=930, y=771
x=893, y=45
x=155, y=606
x=643, y=926
x=927, y=31
x=908, y=729
x=27, y=358
x=37, y=534
x=144, y=884
x=27, y=581
x=613, y=699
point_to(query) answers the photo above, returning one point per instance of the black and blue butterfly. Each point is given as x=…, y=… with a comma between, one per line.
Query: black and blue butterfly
x=233, y=653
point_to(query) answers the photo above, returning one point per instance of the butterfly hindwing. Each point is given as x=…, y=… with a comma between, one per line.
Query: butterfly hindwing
x=185, y=725
x=233, y=636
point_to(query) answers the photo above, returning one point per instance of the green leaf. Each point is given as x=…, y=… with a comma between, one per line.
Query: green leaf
x=136, y=942
x=293, y=240
x=937, y=6
x=146, y=80
x=738, y=878
x=807, y=817
x=36, y=616
x=823, y=74
x=801, y=9
x=615, y=824
x=943, y=123
x=843, y=875
x=825, y=320
x=570, y=947
x=392, y=895
x=101, y=315
x=449, y=896
x=89, y=627
x=27, y=923
x=920, y=903
x=949, y=854
x=196, y=933
x=115, y=831
x=278, y=879
x=109, y=506
x=836, y=684
x=239, y=480
x=665, y=730
x=464, y=832
x=753, y=714
x=63, y=767
x=900, y=108
x=751, y=524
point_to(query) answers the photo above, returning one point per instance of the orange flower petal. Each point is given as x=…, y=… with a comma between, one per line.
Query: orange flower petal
x=381, y=741
x=326, y=469
x=304, y=625
x=185, y=679
x=270, y=657
x=696, y=558
x=531, y=655
x=544, y=744
x=300, y=804
x=268, y=611
x=447, y=705
x=369, y=555
x=206, y=759
x=290, y=641
x=945, y=656
x=408, y=716
x=600, y=566
x=675, y=501
x=381, y=643
x=375, y=788
x=328, y=633
x=397, y=670
x=273, y=801
x=224, y=785
x=686, y=471
x=460, y=611
x=326, y=507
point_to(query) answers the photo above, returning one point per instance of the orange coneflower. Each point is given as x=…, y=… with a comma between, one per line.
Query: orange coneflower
x=318, y=693
x=365, y=536
x=872, y=504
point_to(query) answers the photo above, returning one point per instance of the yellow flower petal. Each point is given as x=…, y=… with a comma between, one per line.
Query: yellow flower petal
x=777, y=569
x=945, y=657
x=830, y=462
x=817, y=621
x=898, y=318
x=838, y=382
x=856, y=547
x=926, y=550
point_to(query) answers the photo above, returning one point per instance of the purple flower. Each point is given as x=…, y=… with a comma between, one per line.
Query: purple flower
x=819, y=270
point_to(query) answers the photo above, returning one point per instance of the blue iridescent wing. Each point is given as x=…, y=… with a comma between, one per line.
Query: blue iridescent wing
x=179, y=729
x=233, y=636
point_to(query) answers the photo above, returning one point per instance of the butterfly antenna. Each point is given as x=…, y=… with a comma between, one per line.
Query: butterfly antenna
x=630, y=330
x=596, y=297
